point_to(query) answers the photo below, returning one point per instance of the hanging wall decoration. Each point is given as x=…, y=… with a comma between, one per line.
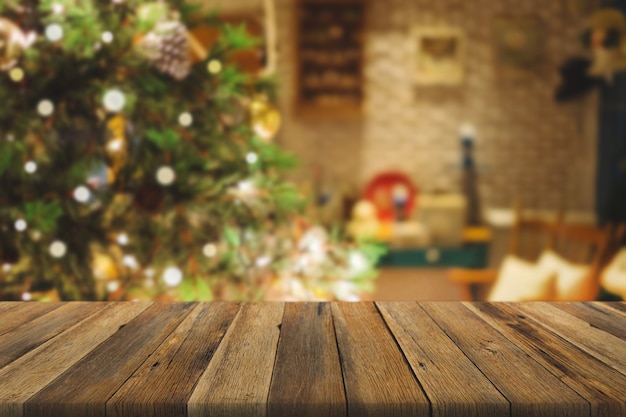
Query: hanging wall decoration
x=518, y=47
x=439, y=55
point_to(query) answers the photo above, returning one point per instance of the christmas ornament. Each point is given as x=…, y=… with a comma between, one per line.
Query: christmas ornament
x=265, y=119
x=12, y=43
x=166, y=46
x=116, y=143
x=103, y=266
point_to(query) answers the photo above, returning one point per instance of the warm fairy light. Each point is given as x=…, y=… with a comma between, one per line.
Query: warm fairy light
x=252, y=158
x=185, y=119
x=58, y=249
x=130, y=261
x=26, y=296
x=10, y=137
x=82, y=194
x=58, y=8
x=6, y=267
x=114, y=100
x=16, y=74
x=214, y=66
x=165, y=175
x=45, y=108
x=113, y=286
x=107, y=37
x=209, y=250
x=172, y=276
x=35, y=235
x=115, y=145
x=21, y=225
x=30, y=167
x=122, y=239
x=54, y=32
x=263, y=261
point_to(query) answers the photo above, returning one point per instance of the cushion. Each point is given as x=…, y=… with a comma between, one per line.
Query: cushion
x=571, y=279
x=614, y=276
x=519, y=280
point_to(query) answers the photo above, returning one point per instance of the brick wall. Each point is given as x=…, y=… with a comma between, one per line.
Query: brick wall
x=527, y=145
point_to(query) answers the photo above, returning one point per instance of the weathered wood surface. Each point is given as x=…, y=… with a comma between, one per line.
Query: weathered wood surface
x=313, y=359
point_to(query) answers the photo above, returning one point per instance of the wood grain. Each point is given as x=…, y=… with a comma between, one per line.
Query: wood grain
x=598, y=318
x=453, y=384
x=52, y=358
x=23, y=313
x=237, y=380
x=604, y=346
x=24, y=338
x=84, y=388
x=377, y=378
x=603, y=387
x=307, y=379
x=529, y=387
x=163, y=384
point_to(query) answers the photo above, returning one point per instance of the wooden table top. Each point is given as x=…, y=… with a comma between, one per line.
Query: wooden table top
x=313, y=359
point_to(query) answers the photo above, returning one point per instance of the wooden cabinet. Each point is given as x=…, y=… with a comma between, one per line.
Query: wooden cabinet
x=329, y=55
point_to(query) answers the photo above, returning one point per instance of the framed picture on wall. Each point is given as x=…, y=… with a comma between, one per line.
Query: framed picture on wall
x=518, y=47
x=439, y=55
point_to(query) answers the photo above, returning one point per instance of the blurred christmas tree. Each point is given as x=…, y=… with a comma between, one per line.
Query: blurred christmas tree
x=131, y=168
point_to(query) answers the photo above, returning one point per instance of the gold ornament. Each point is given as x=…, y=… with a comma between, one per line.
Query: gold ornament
x=116, y=143
x=12, y=43
x=265, y=118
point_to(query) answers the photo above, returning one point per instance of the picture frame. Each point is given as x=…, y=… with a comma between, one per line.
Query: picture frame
x=438, y=56
x=518, y=47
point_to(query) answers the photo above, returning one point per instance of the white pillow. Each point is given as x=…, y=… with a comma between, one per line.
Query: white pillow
x=614, y=276
x=519, y=280
x=571, y=279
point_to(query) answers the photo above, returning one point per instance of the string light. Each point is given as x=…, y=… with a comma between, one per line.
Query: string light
x=26, y=296
x=113, y=286
x=114, y=100
x=16, y=74
x=185, y=119
x=107, y=37
x=165, y=175
x=30, y=167
x=122, y=239
x=58, y=8
x=10, y=137
x=172, y=276
x=54, y=32
x=21, y=225
x=58, y=249
x=130, y=261
x=214, y=66
x=209, y=250
x=82, y=194
x=252, y=158
x=45, y=108
x=6, y=267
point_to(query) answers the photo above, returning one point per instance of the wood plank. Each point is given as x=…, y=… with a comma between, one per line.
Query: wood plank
x=603, y=387
x=162, y=385
x=83, y=389
x=237, y=380
x=36, y=369
x=307, y=379
x=529, y=387
x=378, y=380
x=604, y=346
x=595, y=317
x=615, y=308
x=8, y=305
x=24, y=313
x=453, y=384
x=22, y=339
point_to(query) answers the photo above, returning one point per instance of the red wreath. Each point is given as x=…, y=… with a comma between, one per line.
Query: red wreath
x=380, y=192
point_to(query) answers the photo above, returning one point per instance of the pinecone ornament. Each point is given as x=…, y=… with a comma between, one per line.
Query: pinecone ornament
x=167, y=48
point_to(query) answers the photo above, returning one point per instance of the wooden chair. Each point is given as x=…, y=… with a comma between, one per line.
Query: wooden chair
x=580, y=243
